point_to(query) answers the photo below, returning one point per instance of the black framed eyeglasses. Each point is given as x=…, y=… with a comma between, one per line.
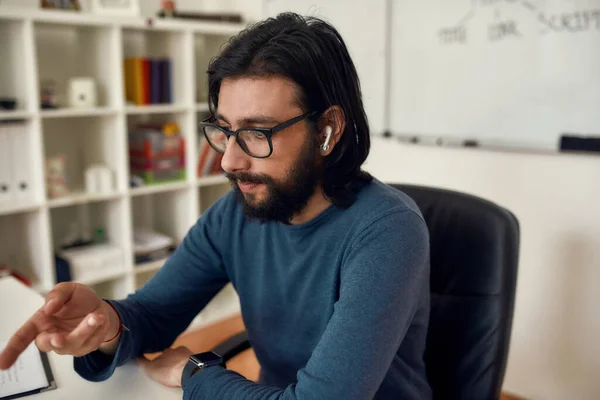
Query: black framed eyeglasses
x=256, y=142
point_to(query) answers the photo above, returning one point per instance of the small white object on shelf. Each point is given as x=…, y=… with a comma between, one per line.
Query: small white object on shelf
x=82, y=93
x=99, y=180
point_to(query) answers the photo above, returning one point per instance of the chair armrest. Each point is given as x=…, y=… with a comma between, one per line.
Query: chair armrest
x=233, y=346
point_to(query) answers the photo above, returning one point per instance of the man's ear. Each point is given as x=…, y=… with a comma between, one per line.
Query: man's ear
x=331, y=128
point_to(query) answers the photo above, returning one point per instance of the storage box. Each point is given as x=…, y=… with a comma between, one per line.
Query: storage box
x=153, y=177
x=85, y=262
x=157, y=153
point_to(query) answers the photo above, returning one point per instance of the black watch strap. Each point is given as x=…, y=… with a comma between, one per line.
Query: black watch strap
x=200, y=361
x=188, y=371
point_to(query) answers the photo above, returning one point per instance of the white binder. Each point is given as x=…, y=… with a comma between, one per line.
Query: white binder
x=21, y=151
x=6, y=167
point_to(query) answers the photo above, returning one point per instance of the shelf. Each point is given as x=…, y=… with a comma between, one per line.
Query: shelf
x=177, y=25
x=43, y=51
x=86, y=221
x=14, y=115
x=168, y=213
x=212, y=180
x=81, y=143
x=82, y=198
x=150, y=266
x=156, y=109
x=159, y=188
x=24, y=246
x=66, y=51
x=140, y=22
x=108, y=275
x=54, y=16
x=218, y=28
x=78, y=112
x=202, y=107
x=16, y=208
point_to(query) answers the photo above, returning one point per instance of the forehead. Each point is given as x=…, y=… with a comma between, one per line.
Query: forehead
x=240, y=98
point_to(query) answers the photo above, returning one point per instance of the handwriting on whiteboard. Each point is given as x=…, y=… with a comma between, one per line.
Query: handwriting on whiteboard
x=507, y=28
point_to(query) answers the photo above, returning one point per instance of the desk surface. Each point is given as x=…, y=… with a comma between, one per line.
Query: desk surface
x=18, y=303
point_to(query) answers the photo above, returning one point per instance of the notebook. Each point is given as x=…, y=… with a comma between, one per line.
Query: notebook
x=29, y=375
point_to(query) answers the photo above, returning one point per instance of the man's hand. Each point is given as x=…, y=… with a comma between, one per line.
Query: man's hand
x=168, y=367
x=73, y=320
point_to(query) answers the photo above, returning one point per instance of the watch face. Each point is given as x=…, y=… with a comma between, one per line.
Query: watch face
x=206, y=358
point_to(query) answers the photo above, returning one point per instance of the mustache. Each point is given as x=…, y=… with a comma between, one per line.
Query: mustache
x=248, y=178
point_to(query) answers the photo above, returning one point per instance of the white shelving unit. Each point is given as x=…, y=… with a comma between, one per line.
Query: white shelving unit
x=40, y=45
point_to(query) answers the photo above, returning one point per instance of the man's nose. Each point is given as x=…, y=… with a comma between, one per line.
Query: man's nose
x=234, y=159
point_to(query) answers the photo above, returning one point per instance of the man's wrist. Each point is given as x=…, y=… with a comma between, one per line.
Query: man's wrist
x=113, y=335
x=114, y=322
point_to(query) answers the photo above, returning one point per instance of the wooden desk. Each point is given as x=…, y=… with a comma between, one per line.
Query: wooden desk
x=246, y=364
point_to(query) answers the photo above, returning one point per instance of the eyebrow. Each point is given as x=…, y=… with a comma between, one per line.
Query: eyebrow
x=256, y=119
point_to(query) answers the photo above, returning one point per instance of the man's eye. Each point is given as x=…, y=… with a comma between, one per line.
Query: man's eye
x=259, y=135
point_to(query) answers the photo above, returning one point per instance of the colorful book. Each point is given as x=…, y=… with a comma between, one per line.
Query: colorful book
x=166, y=84
x=154, y=81
x=146, y=80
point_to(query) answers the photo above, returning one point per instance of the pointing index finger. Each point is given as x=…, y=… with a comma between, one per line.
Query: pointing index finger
x=18, y=343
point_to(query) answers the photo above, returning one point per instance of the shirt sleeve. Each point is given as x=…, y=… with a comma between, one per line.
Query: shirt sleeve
x=158, y=312
x=383, y=279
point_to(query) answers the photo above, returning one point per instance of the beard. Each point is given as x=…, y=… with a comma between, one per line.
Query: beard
x=285, y=198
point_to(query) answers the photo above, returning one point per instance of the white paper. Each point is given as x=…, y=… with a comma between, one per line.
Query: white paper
x=25, y=375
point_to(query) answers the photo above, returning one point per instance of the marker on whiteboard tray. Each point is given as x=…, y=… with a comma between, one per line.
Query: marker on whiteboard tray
x=404, y=138
x=449, y=142
x=470, y=143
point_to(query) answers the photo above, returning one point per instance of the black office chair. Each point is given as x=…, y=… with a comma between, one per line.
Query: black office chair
x=474, y=260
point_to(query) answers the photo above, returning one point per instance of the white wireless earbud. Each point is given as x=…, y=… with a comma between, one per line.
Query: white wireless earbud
x=328, y=131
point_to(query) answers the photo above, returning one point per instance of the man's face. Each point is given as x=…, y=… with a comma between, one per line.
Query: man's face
x=278, y=187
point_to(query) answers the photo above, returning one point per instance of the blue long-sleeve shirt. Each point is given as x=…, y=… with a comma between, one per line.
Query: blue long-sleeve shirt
x=335, y=308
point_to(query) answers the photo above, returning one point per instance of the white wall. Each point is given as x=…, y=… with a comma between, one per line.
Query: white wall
x=555, y=348
x=362, y=25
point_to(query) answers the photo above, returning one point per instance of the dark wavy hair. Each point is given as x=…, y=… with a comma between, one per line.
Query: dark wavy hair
x=311, y=53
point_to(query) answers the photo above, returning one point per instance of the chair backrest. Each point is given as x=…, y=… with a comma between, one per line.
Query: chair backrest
x=474, y=261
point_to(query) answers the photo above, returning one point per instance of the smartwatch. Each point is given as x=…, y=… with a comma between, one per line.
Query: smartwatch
x=198, y=362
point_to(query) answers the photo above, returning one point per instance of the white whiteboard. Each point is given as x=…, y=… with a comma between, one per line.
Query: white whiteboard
x=518, y=72
x=362, y=26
